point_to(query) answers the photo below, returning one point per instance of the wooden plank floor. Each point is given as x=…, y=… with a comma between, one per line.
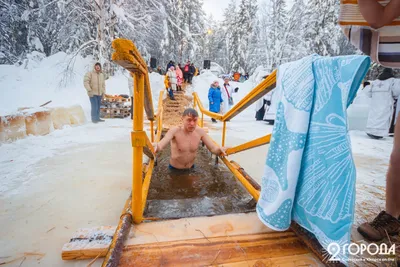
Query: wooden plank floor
x=265, y=249
x=230, y=240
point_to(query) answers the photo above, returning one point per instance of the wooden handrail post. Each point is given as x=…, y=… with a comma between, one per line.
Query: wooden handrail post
x=223, y=134
x=137, y=149
x=152, y=130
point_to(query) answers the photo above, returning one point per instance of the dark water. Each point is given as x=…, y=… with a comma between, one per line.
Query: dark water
x=206, y=190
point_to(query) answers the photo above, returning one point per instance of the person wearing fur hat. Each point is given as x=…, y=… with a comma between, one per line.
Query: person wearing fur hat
x=215, y=98
x=172, y=78
x=227, y=94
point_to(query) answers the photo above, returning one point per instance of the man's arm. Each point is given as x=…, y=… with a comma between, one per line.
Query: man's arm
x=214, y=148
x=86, y=82
x=167, y=138
x=396, y=88
x=377, y=15
x=104, y=85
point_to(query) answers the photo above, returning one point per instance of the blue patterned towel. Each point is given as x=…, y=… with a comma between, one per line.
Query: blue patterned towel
x=310, y=174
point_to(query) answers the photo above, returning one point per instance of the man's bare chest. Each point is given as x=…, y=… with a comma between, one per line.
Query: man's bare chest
x=186, y=143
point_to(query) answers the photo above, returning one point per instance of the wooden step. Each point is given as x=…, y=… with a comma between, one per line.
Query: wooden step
x=218, y=250
x=226, y=239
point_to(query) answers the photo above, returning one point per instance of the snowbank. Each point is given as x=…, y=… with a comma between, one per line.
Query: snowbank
x=58, y=78
x=42, y=81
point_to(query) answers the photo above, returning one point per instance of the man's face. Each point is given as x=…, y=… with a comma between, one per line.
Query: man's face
x=189, y=123
x=97, y=68
x=226, y=81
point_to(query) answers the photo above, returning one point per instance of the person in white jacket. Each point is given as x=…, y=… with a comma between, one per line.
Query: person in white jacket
x=227, y=95
x=172, y=77
x=383, y=92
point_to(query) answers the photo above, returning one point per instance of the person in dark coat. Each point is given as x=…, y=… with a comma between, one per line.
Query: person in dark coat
x=215, y=98
x=186, y=70
x=192, y=70
x=169, y=65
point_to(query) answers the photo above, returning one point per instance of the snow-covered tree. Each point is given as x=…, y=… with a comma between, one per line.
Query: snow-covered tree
x=245, y=26
x=231, y=37
x=323, y=33
x=248, y=36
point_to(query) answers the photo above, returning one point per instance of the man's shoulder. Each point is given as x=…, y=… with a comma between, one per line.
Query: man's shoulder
x=174, y=129
x=200, y=131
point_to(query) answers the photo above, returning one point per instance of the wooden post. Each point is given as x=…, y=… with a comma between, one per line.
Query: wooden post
x=223, y=134
x=137, y=149
x=121, y=233
x=152, y=130
x=249, y=187
x=246, y=175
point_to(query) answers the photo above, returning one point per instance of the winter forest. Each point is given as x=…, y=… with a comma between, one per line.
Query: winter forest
x=249, y=34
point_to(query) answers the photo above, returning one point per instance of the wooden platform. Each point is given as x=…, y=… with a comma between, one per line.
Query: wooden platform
x=232, y=240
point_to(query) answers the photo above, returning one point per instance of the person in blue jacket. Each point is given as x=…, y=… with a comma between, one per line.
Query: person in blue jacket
x=215, y=98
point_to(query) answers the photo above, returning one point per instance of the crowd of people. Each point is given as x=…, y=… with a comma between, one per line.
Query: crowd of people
x=175, y=75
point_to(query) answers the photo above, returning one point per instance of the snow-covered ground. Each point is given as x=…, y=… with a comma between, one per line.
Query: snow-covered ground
x=80, y=176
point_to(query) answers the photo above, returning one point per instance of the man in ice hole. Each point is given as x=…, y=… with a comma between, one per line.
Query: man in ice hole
x=185, y=141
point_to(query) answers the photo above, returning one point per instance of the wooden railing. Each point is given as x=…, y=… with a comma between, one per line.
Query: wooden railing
x=127, y=56
x=259, y=91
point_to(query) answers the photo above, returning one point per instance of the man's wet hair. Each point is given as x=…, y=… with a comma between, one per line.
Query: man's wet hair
x=190, y=112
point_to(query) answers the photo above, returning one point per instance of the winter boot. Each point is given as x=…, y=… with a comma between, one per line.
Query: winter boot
x=383, y=225
x=374, y=136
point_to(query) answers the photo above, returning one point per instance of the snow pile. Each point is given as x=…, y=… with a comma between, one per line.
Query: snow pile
x=38, y=81
x=157, y=85
x=58, y=78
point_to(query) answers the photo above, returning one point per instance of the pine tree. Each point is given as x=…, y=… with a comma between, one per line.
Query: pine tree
x=230, y=25
x=191, y=17
x=323, y=32
x=246, y=18
x=273, y=23
x=294, y=43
